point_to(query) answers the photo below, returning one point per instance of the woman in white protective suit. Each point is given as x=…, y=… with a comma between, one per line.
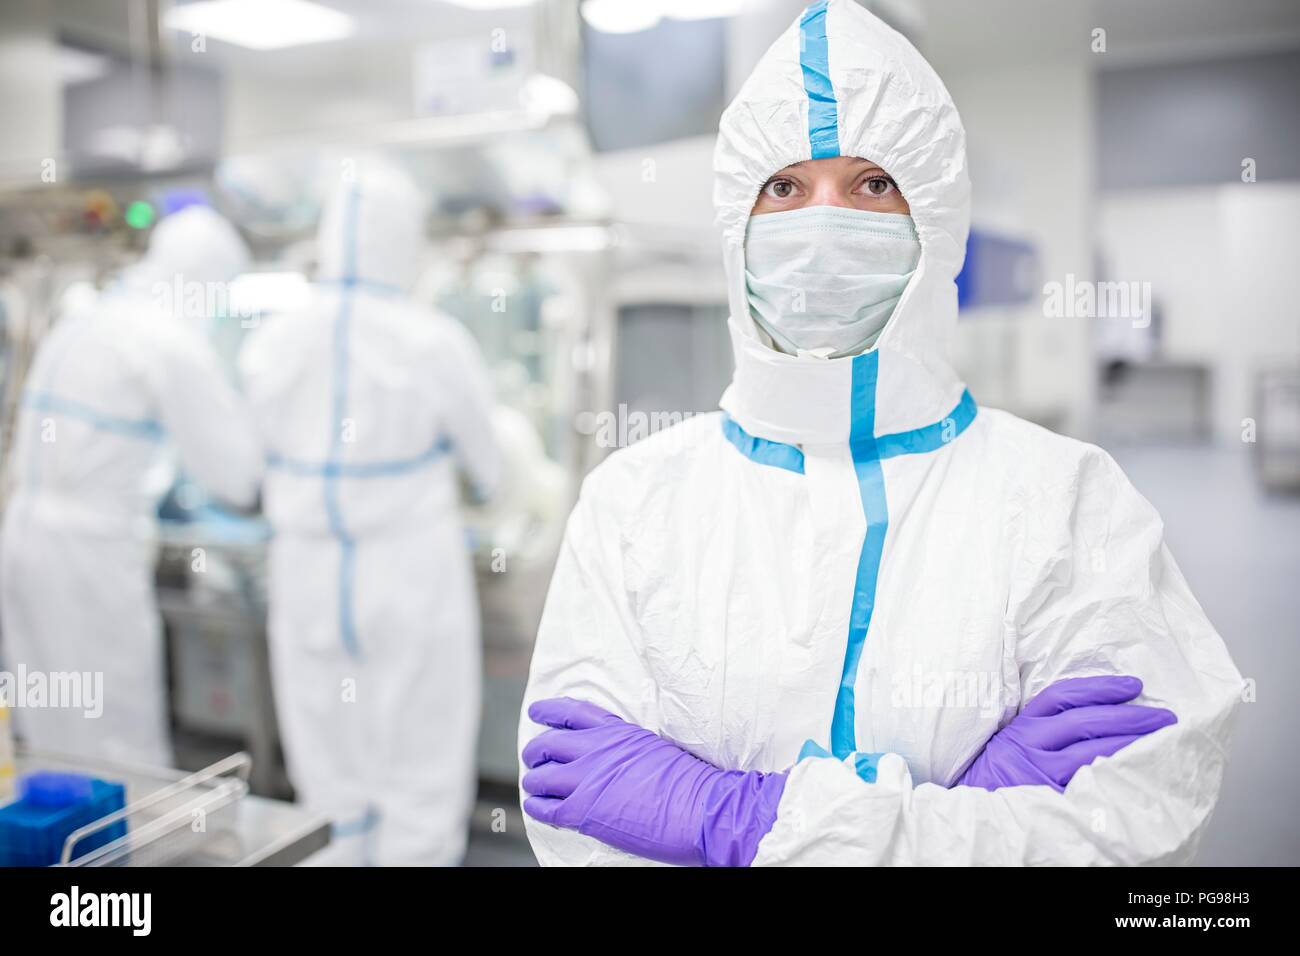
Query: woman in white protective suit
x=116, y=391
x=369, y=406
x=853, y=618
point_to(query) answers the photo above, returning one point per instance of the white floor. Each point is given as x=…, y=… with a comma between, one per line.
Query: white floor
x=1240, y=550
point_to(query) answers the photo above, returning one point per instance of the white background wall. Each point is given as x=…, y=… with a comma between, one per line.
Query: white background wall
x=1031, y=167
x=31, y=94
x=1221, y=261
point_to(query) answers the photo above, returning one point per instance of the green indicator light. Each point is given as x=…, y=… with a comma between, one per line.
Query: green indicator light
x=139, y=215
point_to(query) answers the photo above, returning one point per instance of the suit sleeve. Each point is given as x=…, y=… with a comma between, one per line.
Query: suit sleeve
x=1098, y=593
x=588, y=647
x=466, y=394
x=207, y=420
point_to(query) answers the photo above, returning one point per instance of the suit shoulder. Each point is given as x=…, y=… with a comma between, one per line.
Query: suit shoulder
x=1040, y=452
x=657, y=454
x=1051, y=472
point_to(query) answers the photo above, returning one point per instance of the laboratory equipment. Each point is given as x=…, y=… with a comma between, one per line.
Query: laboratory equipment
x=1161, y=401
x=170, y=818
x=50, y=819
x=211, y=584
x=998, y=270
x=1277, y=438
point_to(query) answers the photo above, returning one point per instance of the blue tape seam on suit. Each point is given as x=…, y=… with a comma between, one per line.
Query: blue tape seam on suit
x=333, y=508
x=913, y=442
x=814, y=61
x=354, y=282
x=868, y=451
x=760, y=450
x=44, y=393
x=361, y=469
x=864, y=765
x=356, y=826
x=144, y=428
x=333, y=468
x=871, y=488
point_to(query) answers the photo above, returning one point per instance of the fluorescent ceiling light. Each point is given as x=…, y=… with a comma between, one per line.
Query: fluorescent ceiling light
x=621, y=16
x=491, y=4
x=548, y=96
x=575, y=238
x=700, y=9
x=633, y=16
x=261, y=24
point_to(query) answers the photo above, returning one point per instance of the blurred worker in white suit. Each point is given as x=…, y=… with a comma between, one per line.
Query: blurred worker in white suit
x=123, y=388
x=369, y=408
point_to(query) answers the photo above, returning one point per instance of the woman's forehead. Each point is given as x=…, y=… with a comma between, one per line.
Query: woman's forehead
x=834, y=166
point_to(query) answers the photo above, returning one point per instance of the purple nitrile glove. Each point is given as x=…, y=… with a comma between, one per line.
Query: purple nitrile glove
x=1067, y=726
x=625, y=786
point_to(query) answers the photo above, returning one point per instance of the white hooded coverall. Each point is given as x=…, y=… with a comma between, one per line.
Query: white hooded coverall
x=367, y=405
x=852, y=553
x=113, y=391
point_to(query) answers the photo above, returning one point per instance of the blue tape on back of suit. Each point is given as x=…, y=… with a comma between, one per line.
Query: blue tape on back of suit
x=147, y=429
x=334, y=469
x=333, y=508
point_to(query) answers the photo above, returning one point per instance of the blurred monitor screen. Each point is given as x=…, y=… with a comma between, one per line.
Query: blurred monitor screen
x=109, y=127
x=657, y=85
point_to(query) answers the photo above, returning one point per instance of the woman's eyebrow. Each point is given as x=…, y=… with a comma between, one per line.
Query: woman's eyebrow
x=785, y=170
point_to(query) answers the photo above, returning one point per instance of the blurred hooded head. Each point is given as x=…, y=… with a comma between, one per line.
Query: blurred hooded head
x=372, y=229
x=187, y=268
x=196, y=244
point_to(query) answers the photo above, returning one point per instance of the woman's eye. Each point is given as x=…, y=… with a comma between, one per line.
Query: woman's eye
x=779, y=189
x=879, y=186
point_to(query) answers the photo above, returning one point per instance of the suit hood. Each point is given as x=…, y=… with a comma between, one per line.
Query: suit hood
x=372, y=230
x=840, y=82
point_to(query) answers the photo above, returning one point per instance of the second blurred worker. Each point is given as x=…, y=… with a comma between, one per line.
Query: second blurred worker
x=367, y=405
x=119, y=393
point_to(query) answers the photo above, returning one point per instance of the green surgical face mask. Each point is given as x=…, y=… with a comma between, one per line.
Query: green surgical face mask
x=823, y=280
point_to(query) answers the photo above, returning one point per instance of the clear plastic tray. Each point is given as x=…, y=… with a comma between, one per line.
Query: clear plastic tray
x=173, y=818
x=182, y=821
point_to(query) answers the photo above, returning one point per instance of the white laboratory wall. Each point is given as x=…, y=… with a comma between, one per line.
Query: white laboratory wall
x=31, y=94
x=1221, y=263
x=262, y=112
x=667, y=184
x=1029, y=129
x=1261, y=229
